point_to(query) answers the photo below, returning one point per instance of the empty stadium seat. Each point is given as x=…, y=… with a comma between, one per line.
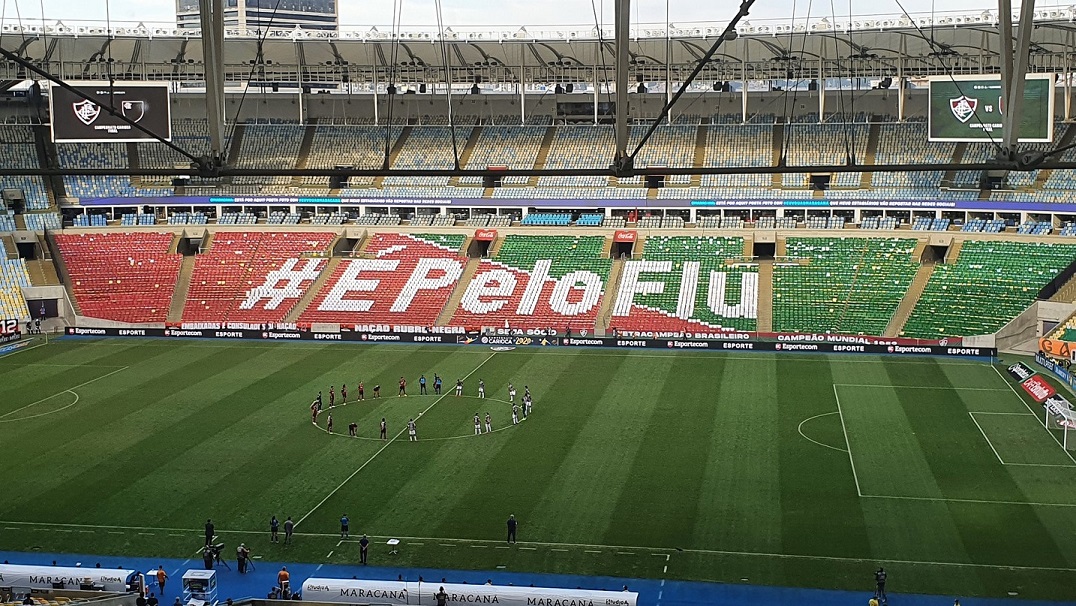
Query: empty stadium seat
x=229, y=282
x=121, y=276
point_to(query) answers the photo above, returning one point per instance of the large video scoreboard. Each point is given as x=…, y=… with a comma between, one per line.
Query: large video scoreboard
x=970, y=108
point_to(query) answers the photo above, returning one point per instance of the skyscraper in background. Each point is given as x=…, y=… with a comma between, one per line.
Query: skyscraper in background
x=259, y=14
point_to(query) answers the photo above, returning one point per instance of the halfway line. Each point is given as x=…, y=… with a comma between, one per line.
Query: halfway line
x=387, y=444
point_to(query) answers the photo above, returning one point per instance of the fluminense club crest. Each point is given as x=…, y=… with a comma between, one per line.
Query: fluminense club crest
x=963, y=107
x=86, y=111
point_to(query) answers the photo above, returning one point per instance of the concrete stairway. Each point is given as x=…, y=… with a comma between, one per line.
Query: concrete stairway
x=42, y=273
x=765, y=296
x=394, y=152
x=183, y=286
x=612, y=286
x=453, y=304
x=543, y=153
x=1067, y=292
x=700, y=154
x=911, y=297
x=312, y=291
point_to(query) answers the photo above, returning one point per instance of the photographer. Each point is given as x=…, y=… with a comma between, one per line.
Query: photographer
x=207, y=557
x=242, y=554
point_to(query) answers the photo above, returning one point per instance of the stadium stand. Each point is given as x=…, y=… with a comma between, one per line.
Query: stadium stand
x=899, y=142
x=573, y=147
x=17, y=150
x=7, y=222
x=990, y=283
x=90, y=221
x=265, y=144
x=282, y=218
x=121, y=276
x=234, y=281
x=100, y=155
x=548, y=219
x=132, y=219
x=509, y=146
x=694, y=284
x=403, y=279
x=13, y=278
x=841, y=285
x=360, y=146
x=573, y=271
x=240, y=218
x=42, y=221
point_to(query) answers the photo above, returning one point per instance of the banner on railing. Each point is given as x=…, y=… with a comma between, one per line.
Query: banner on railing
x=537, y=340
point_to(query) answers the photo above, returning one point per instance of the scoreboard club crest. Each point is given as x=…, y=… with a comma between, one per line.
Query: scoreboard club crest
x=963, y=107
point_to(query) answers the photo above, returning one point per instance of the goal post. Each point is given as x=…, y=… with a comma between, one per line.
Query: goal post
x=1058, y=414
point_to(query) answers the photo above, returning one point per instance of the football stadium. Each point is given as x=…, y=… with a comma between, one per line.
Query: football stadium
x=741, y=307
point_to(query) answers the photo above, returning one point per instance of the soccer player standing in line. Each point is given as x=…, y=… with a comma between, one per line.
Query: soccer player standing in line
x=329, y=422
x=481, y=388
x=332, y=396
x=477, y=425
x=343, y=393
x=515, y=415
x=403, y=387
x=362, y=396
x=511, y=393
x=314, y=412
x=412, y=431
x=489, y=423
x=384, y=429
x=459, y=387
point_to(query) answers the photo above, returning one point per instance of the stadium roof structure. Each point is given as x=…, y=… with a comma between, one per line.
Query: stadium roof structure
x=886, y=48
x=870, y=47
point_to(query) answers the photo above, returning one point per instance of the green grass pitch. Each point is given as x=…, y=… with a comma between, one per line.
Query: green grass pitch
x=768, y=469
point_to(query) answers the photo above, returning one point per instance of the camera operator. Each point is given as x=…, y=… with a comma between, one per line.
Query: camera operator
x=207, y=557
x=242, y=554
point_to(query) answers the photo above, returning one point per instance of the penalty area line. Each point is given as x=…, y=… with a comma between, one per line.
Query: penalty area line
x=387, y=444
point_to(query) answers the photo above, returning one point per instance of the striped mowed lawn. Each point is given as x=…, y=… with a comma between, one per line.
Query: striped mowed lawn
x=775, y=469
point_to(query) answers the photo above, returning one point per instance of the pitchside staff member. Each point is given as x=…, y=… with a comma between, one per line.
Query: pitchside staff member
x=879, y=580
x=364, y=547
x=511, y=529
x=209, y=534
x=274, y=530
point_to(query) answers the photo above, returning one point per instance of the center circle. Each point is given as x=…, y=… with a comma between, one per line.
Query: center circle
x=372, y=410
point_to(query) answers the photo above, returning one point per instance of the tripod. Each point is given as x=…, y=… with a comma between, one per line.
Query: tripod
x=219, y=561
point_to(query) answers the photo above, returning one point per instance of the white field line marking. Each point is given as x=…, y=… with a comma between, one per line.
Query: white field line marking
x=920, y=387
x=1011, y=414
x=330, y=554
x=847, y=441
x=759, y=554
x=1034, y=414
x=986, y=437
x=799, y=428
x=785, y=357
x=17, y=364
x=25, y=349
x=1041, y=465
x=41, y=414
x=68, y=390
x=974, y=501
x=387, y=444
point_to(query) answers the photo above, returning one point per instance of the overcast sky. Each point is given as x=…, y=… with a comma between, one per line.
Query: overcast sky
x=509, y=13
